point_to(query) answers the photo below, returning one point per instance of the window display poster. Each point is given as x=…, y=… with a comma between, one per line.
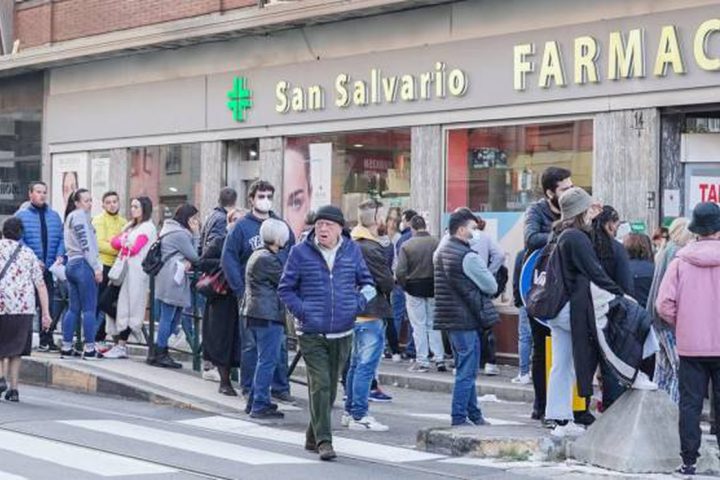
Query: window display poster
x=704, y=189
x=100, y=183
x=671, y=203
x=321, y=174
x=307, y=176
x=70, y=172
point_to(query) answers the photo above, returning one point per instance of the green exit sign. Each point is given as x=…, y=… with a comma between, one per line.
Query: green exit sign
x=239, y=99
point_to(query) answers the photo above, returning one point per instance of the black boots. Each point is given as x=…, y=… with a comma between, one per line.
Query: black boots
x=163, y=359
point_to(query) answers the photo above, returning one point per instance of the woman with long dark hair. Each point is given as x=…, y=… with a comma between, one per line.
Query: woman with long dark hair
x=575, y=353
x=133, y=243
x=84, y=272
x=172, y=287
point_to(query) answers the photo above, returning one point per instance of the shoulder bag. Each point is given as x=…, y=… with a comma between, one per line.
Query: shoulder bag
x=11, y=260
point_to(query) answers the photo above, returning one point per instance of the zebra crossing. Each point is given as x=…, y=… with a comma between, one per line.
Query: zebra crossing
x=190, y=439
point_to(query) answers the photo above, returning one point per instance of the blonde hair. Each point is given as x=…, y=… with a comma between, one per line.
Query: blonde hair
x=678, y=232
x=232, y=212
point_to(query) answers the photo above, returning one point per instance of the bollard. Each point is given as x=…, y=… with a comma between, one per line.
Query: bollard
x=195, y=338
x=151, y=324
x=579, y=404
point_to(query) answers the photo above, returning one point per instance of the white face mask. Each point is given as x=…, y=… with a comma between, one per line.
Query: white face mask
x=263, y=205
x=476, y=234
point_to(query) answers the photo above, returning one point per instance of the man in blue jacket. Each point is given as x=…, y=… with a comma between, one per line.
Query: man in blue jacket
x=243, y=239
x=325, y=285
x=43, y=234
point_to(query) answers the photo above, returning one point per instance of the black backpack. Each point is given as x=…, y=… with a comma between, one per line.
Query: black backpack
x=153, y=261
x=547, y=294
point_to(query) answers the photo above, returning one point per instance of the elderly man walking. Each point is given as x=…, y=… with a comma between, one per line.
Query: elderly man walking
x=326, y=285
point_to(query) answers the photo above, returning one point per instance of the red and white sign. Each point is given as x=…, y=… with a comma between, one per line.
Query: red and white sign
x=704, y=189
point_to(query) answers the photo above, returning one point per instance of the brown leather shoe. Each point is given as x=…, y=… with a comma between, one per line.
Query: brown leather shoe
x=326, y=451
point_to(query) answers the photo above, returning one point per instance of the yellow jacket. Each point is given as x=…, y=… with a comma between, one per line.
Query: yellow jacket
x=106, y=227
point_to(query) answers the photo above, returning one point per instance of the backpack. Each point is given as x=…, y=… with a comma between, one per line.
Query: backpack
x=153, y=261
x=547, y=294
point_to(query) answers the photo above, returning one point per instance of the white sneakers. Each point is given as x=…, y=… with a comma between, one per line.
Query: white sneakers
x=522, y=379
x=396, y=358
x=643, y=382
x=367, y=423
x=570, y=429
x=118, y=351
x=491, y=370
x=345, y=419
x=211, y=375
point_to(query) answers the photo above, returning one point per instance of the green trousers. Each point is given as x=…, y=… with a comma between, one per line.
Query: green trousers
x=324, y=361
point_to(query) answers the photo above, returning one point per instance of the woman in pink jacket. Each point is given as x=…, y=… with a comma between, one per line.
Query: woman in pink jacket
x=689, y=300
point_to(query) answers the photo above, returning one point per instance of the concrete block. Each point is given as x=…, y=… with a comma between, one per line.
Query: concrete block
x=71, y=379
x=638, y=434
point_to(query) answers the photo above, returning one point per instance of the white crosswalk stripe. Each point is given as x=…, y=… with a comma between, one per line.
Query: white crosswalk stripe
x=10, y=476
x=189, y=443
x=346, y=446
x=80, y=458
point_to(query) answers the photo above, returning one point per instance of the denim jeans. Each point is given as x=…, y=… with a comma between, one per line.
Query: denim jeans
x=421, y=315
x=248, y=360
x=524, y=341
x=83, y=302
x=695, y=373
x=169, y=320
x=562, y=372
x=399, y=307
x=466, y=348
x=367, y=348
x=267, y=341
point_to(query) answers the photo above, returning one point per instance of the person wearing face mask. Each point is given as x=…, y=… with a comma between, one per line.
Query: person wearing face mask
x=107, y=225
x=539, y=218
x=84, y=273
x=242, y=240
x=219, y=324
x=463, y=286
x=575, y=352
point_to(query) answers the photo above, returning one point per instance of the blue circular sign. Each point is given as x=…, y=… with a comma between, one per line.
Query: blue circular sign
x=526, y=278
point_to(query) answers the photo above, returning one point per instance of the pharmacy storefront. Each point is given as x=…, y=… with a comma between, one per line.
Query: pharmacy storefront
x=455, y=122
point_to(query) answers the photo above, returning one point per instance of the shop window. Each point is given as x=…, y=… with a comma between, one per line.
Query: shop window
x=168, y=174
x=498, y=169
x=345, y=169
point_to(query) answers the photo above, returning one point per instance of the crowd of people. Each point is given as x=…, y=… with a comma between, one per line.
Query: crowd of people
x=380, y=284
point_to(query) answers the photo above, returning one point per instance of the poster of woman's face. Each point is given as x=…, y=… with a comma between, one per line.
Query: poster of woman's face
x=297, y=187
x=69, y=185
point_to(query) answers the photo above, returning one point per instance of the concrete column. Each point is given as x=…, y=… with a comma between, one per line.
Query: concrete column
x=212, y=156
x=626, y=165
x=427, y=165
x=271, y=167
x=671, y=171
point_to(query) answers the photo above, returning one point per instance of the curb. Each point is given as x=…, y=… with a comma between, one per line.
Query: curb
x=508, y=392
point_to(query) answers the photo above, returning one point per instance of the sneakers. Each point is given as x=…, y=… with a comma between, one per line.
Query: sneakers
x=345, y=419
x=118, y=351
x=522, y=379
x=326, y=451
x=491, y=370
x=367, y=423
x=570, y=429
x=471, y=423
x=418, y=368
x=643, y=382
x=441, y=367
x=211, y=375
x=379, y=396
x=70, y=353
x=284, y=397
x=48, y=347
x=396, y=358
x=14, y=396
x=91, y=355
x=227, y=390
x=686, y=470
x=267, y=414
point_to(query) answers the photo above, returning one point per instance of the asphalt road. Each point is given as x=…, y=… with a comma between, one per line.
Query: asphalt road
x=54, y=435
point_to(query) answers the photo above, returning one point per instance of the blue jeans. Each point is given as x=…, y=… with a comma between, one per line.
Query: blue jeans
x=524, y=341
x=248, y=360
x=82, y=290
x=466, y=347
x=399, y=313
x=367, y=349
x=169, y=320
x=267, y=340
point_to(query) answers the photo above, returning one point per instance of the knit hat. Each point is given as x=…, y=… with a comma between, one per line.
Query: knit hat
x=573, y=202
x=705, y=219
x=331, y=213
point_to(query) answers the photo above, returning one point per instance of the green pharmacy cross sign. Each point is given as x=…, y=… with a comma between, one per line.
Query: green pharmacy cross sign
x=239, y=99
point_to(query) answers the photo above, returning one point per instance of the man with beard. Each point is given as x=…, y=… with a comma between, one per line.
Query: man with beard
x=539, y=219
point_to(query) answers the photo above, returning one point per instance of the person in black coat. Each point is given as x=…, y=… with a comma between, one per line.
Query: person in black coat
x=265, y=314
x=219, y=323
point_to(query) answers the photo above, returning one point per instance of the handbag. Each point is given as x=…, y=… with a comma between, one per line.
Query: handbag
x=107, y=303
x=116, y=275
x=11, y=260
x=212, y=285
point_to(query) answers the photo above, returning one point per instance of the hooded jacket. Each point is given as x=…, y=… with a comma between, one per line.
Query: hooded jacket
x=689, y=299
x=375, y=255
x=324, y=301
x=539, y=219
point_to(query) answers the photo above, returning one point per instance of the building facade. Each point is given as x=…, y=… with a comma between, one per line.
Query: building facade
x=430, y=105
